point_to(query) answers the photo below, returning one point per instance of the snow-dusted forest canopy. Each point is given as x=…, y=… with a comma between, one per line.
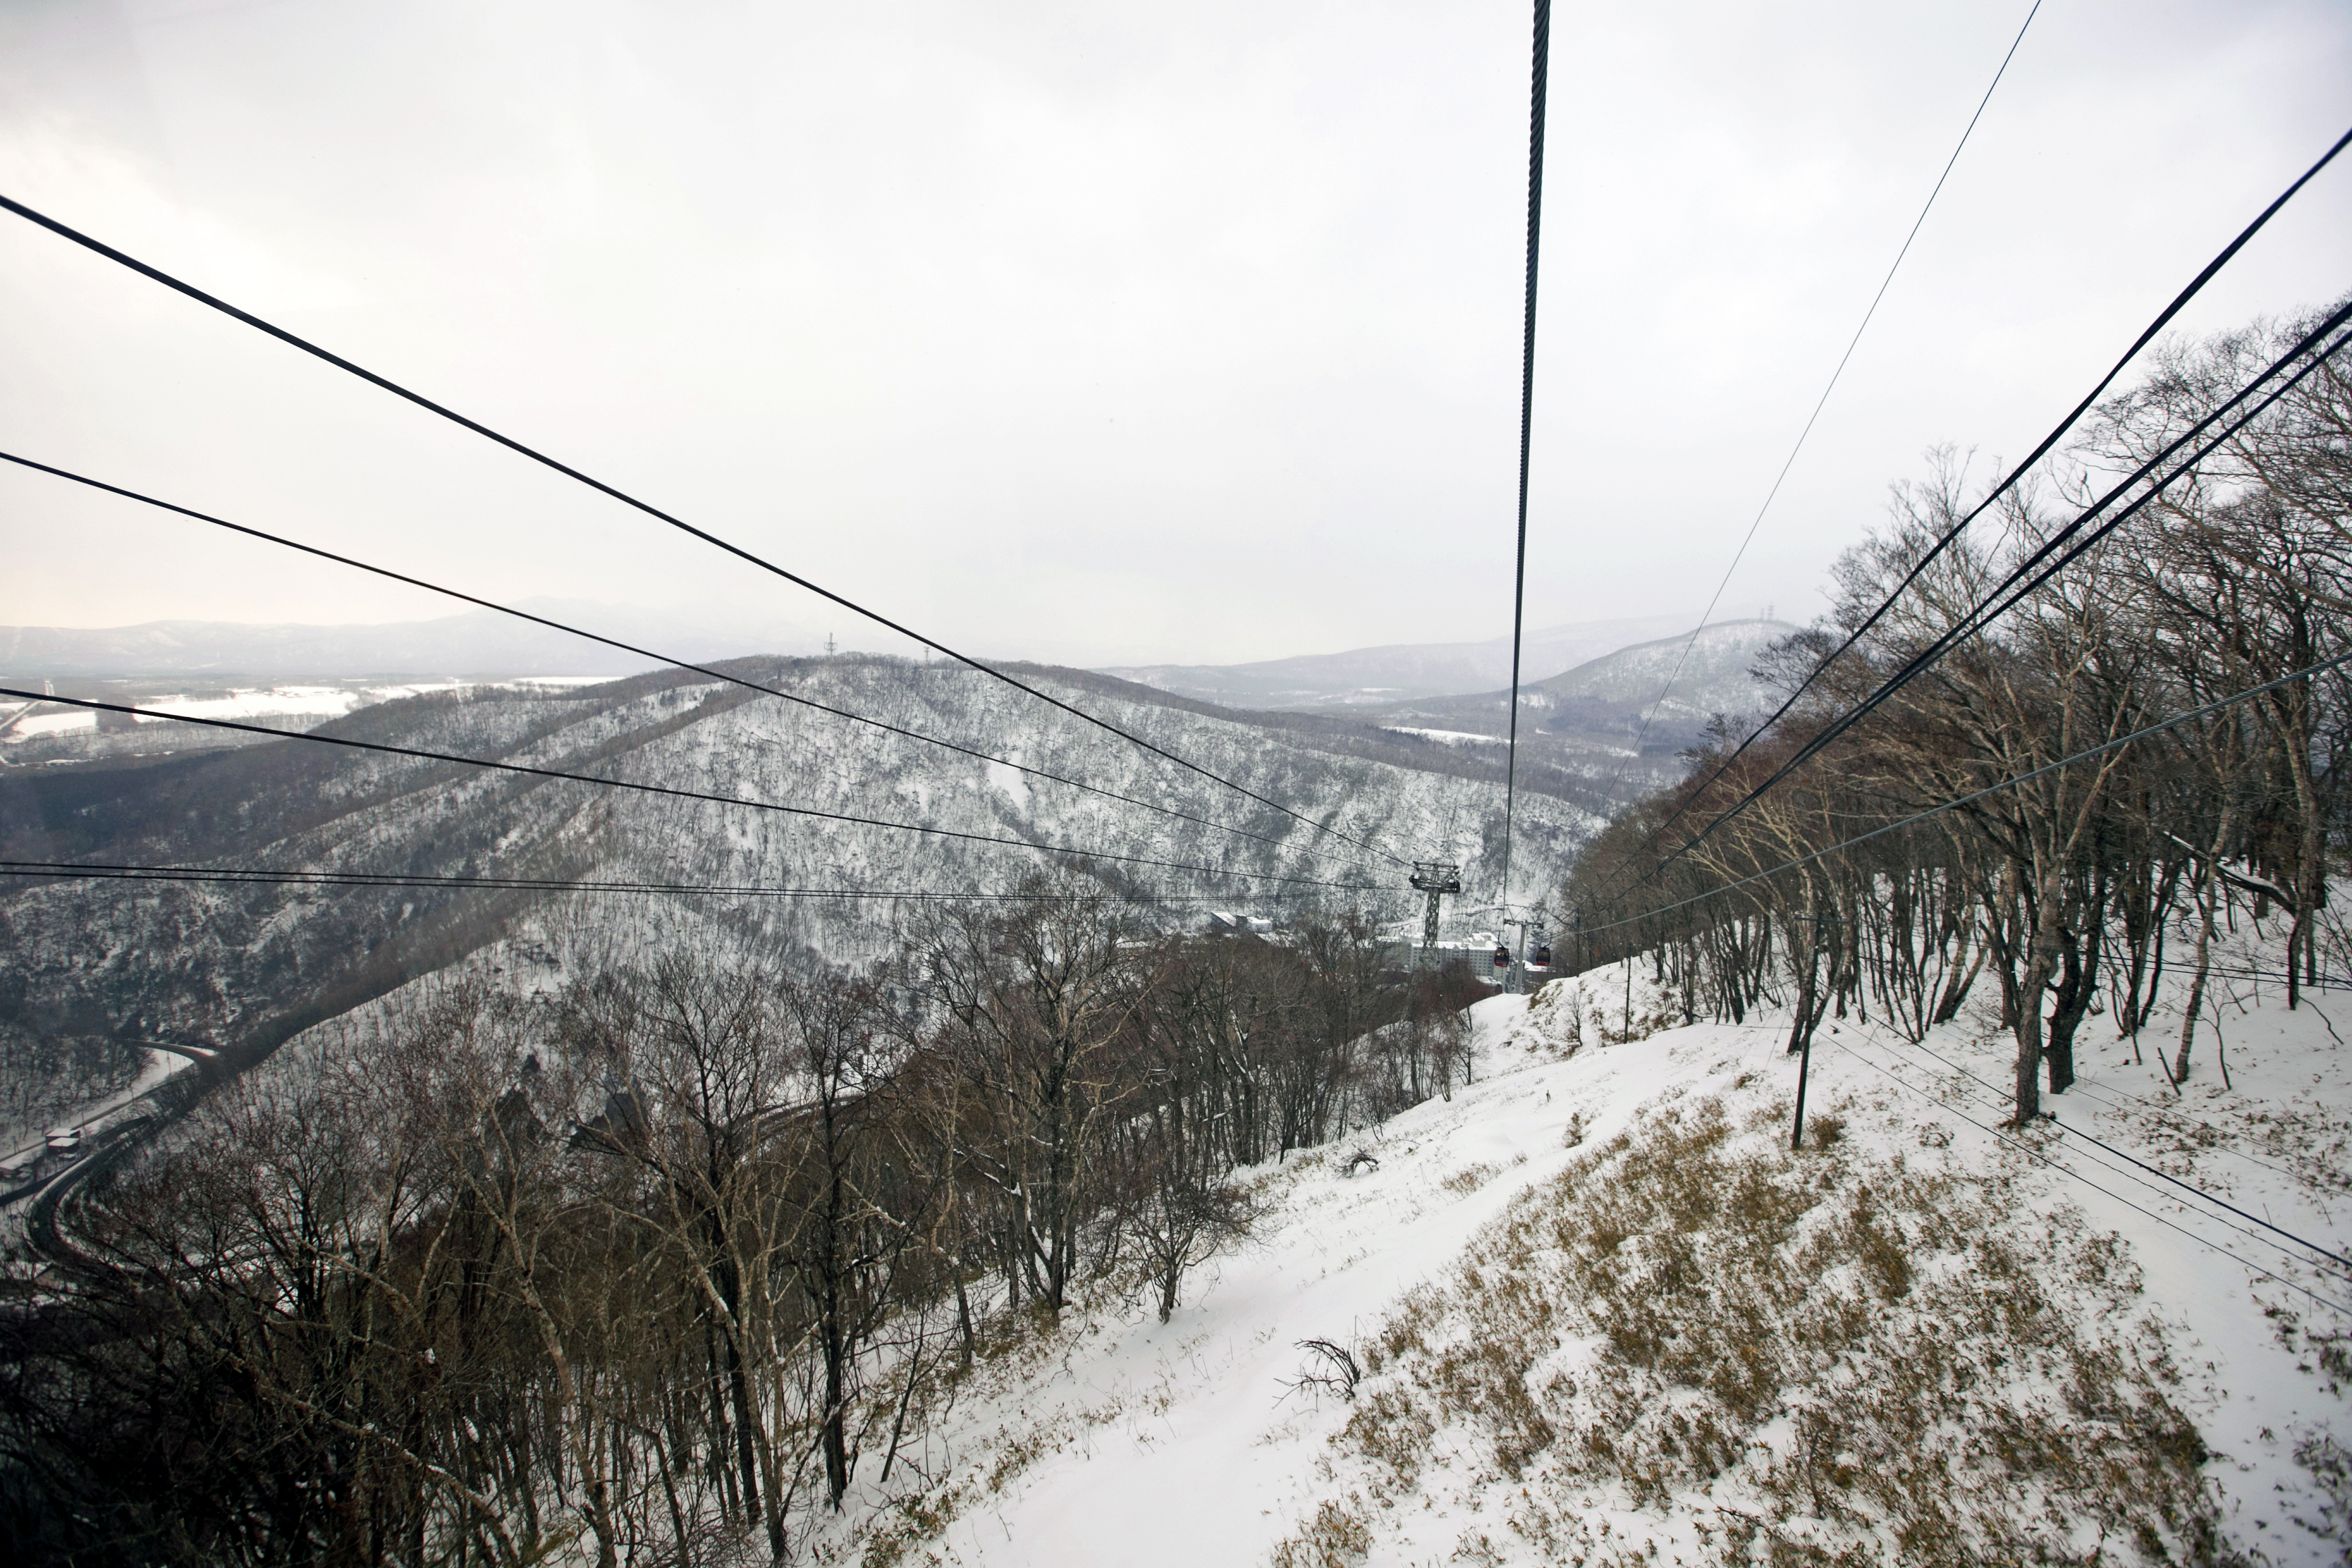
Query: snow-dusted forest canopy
x=101, y=967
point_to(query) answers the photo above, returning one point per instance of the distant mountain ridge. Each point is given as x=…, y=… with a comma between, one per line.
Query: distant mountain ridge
x=1621, y=719
x=1709, y=672
x=479, y=642
x=1397, y=671
x=483, y=642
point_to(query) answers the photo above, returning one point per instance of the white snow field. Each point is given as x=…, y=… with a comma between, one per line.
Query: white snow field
x=1927, y=1338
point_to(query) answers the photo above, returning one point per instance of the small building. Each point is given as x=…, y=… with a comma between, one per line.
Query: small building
x=1236, y=923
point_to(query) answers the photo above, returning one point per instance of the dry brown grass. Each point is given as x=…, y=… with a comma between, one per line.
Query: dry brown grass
x=1615, y=1027
x=1825, y=1358
x=1470, y=1178
x=1337, y=1536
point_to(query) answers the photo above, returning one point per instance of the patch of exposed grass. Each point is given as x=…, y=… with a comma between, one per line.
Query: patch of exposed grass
x=1825, y=1358
x=1470, y=1178
x=1337, y=1536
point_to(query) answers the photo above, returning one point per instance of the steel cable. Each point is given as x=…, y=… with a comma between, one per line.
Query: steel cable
x=1852, y=344
x=712, y=672
x=1969, y=799
x=2039, y=567
x=422, y=754
x=1539, y=74
x=2018, y=472
x=76, y=870
x=2033, y=1153
x=157, y=275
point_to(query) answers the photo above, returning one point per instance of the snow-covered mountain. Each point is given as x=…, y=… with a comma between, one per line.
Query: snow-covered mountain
x=1696, y=676
x=478, y=642
x=111, y=964
x=1603, y=723
x=1373, y=676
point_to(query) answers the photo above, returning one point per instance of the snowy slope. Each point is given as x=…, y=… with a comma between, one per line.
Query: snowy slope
x=104, y=966
x=1619, y=724
x=1682, y=675
x=1114, y=1439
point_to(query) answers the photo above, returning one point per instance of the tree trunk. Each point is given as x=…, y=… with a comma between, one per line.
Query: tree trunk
x=2031, y=986
x=2209, y=890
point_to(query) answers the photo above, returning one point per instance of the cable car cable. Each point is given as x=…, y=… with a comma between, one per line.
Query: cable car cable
x=1539, y=74
x=1916, y=819
x=2213, y=1198
x=1985, y=610
x=714, y=674
x=2017, y=590
x=1999, y=1097
x=2018, y=472
x=190, y=290
x=1852, y=344
x=422, y=754
x=2040, y=567
x=2033, y=1153
x=74, y=870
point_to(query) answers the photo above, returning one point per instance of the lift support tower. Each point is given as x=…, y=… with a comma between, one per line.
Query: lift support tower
x=1434, y=878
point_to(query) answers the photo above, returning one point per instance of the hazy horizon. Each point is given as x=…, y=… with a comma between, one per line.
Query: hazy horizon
x=1098, y=335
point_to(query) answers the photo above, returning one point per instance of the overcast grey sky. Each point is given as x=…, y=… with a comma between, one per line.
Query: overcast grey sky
x=1101, y=333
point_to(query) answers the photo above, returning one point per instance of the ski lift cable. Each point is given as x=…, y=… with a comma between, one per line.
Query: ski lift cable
x=2164, y=319
x=2039, y=566
x=157, y=275
x=1995, y=1101
x=1932, y=812
x=1996, y=1098
x=1987, y=609
x=2124, y=1099
x=1539, y=73
x=672, y=791
x=1823, y=402
x=2215, y=1199
x=2120, y=1100
x=714, y=673
x=75, y=870
x=2063, y=1169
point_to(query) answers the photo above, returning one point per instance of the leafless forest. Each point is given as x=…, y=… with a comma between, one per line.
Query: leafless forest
x=655, y=1264
x=1826, y=894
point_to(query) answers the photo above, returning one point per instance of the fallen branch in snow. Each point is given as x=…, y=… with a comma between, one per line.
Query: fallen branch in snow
x=1329, y=1368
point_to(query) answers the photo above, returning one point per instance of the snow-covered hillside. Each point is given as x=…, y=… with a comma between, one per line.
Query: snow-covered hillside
x=1708, y=673
x=1602, y=1314
x=113, y=963
x=475, y=643
x=1618, y=725
x=1400, y=671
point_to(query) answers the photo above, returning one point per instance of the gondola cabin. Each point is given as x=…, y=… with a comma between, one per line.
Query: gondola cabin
x=1541, y=958
x=1502, y=959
